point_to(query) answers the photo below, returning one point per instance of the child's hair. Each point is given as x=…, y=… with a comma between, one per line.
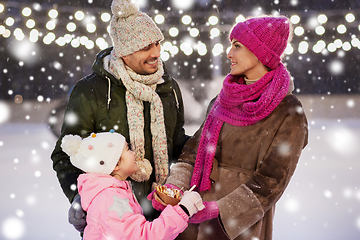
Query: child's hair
x=99, y=153
x=265, y=36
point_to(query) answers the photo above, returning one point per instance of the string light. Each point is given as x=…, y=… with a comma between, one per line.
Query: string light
x=316, y=25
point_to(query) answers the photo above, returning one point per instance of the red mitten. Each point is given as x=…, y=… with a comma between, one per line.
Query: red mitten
x=210, y=211
x=156, y=204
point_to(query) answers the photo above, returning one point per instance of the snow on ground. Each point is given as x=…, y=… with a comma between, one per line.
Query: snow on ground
x=321, y=202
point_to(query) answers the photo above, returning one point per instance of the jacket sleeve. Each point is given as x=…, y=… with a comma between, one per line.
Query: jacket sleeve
x=181, y=172
x=180, y=137
x=247, y=204
x=78, y=120
x=171, y=222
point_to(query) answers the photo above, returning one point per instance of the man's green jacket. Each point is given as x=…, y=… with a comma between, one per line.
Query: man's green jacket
x=92, y=109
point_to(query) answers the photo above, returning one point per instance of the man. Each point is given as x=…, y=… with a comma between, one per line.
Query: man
x=129, y=91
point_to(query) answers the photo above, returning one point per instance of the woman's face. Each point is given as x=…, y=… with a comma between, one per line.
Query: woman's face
x=244, y=62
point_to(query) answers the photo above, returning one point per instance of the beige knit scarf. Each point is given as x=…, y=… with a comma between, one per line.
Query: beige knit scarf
x=142, y=88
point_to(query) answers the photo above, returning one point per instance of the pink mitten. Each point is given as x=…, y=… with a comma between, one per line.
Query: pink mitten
x=210, y=211
x=156, y=204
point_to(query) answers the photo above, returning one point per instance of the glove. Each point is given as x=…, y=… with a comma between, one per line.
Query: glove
x=210, y=211
x=192, y=202
x=157, y=205
x=77, y=216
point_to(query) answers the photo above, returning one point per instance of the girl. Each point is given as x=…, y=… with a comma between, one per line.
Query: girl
x=243, y=156
x=112, y=209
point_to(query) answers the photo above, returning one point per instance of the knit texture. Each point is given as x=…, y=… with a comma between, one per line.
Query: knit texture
x=142, y=88
x=240, y=105
x=130, y=29
x=266, y=37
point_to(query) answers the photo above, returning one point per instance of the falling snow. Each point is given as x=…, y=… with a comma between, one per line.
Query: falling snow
x=41, y=64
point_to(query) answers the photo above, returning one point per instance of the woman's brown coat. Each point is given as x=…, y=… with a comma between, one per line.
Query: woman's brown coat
x=252, y=167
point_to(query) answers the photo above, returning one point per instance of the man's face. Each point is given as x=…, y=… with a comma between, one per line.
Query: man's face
x=144, y=61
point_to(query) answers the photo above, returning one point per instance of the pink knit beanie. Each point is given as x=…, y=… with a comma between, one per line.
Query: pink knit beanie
x=265, y=36
x=130, y=29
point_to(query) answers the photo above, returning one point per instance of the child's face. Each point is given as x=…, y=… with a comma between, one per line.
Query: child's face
x=127, y=164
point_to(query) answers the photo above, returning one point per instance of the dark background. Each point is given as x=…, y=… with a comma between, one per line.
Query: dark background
x=311, y=71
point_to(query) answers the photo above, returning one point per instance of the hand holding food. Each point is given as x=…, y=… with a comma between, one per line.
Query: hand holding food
x=192, y=201
x=167, y=195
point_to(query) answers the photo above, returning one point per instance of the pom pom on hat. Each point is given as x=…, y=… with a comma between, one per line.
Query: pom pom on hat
x=99, y=153
x=124, y=8
x=70, y=144
x=130, y=29
x=265, y=36
x=144, y=172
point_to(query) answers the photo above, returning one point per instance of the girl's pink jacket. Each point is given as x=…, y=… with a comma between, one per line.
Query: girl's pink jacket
x=114, y=213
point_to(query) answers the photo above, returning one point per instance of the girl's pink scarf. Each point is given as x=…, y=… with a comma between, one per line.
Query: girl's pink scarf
x=240, y=105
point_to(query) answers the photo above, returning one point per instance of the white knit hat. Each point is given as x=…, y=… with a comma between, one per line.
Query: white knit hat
x=98, y=153
x=130, y=29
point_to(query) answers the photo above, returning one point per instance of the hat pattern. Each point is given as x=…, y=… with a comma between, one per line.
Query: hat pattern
x=130, y=29
x=99, y=153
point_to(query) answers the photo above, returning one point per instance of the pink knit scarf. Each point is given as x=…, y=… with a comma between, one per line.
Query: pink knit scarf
x=240, y=105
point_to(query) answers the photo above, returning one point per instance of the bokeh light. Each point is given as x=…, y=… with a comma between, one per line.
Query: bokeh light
x=13, y=228
x=303, y=47
x=4, y=112
x=186, y=19
x=239, y=18
x=10, y=21
x=30, y=23
x=173, y=32
x=159, y=19
x=105, y=17
x=214, y=32
x=294, y=19
x=322, y=18
x=71, y=27
x=292, y=205
x=194, y=32
x=299, y=31
x=341, y=29
x=350, y=17
x=218, y=49
x=342, y=140
x=182, y=4
x=26, y=11
x=213, y=20
x=79, y=15
x=91, y=28
x=320, y=30
x=53, y=13
x=50, y=25
x=23, y=50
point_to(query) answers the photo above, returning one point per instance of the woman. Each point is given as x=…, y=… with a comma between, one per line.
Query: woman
x=243, y=156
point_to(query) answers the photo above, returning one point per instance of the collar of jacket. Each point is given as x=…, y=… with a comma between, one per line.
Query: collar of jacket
x=98, y=69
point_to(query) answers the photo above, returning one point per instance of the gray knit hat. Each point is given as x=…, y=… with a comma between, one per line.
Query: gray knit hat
x=130, y=29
